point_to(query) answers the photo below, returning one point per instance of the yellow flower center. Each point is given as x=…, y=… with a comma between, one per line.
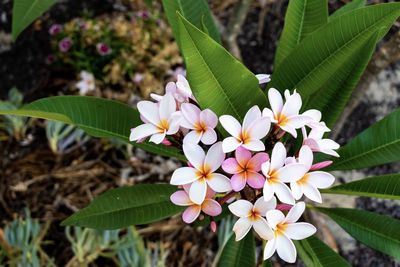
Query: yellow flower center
x=163, y=125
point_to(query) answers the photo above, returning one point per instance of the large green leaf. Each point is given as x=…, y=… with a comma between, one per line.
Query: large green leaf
x=377, y=231
x=347, y=8
x=239, y=253
x=310, y=65
x=315, y=253
x=218, y=80
x=195, y=11
x=121, y=207
x=379, y=144
x=98, y=117
x=302, y=18
x=386, y=186
x=26, y=11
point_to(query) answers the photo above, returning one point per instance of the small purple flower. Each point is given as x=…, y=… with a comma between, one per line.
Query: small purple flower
x=103, y=49
x=65, y=44
x=144, y=14
x=50, y=59
x=138, y=77
x=55, y=29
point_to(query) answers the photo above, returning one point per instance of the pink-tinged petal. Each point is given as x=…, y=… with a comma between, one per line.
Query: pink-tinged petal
x=252, y=115
x=211, y=207
x=210, y=193
x=298, y=121
x=195, y=154
x=278, y=156
x=321, y=165
x=312, y=193
x=285, y=249
x=289, y=129
x=219, y=183
x=290, y=160
x=193, y=137
x=292, y=105
x=320, y=179
x=231, y=166
x=170, y=88
x=256, y=161
x=181, y=198
x=166, y=142
x=184, y=175
x=209, y=137
x=190, y=112
x=214, y=157
x=157, y=138
x=299, y=231
x=291, y=172
x=149, y=111
x=241, y=208
x=306, y=156
x=284, y=207
x=268, y=191
x=295, y=212
x=230, y=144
x=269, y=249
x=142, y=131
x=241, y=228
x=198, y=190
x=275, y=100
x=213, y=226
x=238, y=182
x=260, y=128
x=255, y=180
x=274, y=217
x=263, y=78
x=191, y=213
x=186, y=187
x=311, y=143
x=262, y=229
x=283, y=193
x=262, y=206
x=183, y=86
x=254, y=145
x=231, y=125
x=265, y=168
x=297, y=190
x=209, y=118
x=269, y=114
x=167, y=106
x=242, y=156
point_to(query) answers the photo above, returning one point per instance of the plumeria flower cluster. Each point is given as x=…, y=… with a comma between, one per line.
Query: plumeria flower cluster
x=246, y=166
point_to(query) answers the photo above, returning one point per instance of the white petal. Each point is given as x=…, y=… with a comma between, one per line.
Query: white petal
x=328, y=144
x=330, y=152
x=231, y=125
x=167, y=106
x=174, y=123
x=263, y=206
x=269, y=114
x=190, y=112
x=283, y=193
x=297, y=122
x=192, y=137
x=198, y=190
x=315, y=134
x=306, y=156
x=285, y=249
x=184, y=175
x=275, y=217
x=278, y=156
x=269, y=249
x=291, y=172
x=241, y=208
x=268, y=191
x=241, y=228
x=265, y=168
x=195, y=154
x=156, y=97
x=263, y=78
x=254, y=145
x=214, y=157
x=299, y=231
x=289, y=129
x=275, y=100
x=219, y=183
x=297, y=191
x=142, y=131
x=295, y=212
x=209, y=118
x=157, y=138
x=259, y=128
x=251, y=116
x=292, y=105
x=209, y=137
x=312, y=193
x=149, y=110
x=262, y=229
x=320, y=179
x=315, y=114
x=230, y=144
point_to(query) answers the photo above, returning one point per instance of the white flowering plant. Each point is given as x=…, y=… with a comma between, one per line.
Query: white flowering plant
x=259, y=154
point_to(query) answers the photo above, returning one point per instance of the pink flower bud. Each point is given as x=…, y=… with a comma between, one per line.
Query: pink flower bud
x=166, y=142
x=65, y=44
x=321, y=165
x=103, y=49
x=50, y=59
x=283, y=207
x=55, y=29
x=213, y=226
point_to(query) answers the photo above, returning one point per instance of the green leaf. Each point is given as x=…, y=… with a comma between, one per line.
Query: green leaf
x=125, y=206
x=302, y=18
x=26, y=11
x=379, y=144
x=195, y=11
x=385, y=186
x=98, y=117
x=218, y=80
x=355, y=4
x=315, y=253
x=310, y=65
x=239, y=253
x=332, y=99
x=376, y=231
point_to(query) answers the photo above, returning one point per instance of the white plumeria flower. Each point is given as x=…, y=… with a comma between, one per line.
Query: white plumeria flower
x=202, y=174
x=252, y=216
x=248, y=135
x=160, y=120
x=311, y=181
x=317, y=143
x=285, y=230
x=201, y=122
x=315, y=122
x=263, y=78
x=180, y=90
x=285, y=116
x=277, y=175
x=87, y=83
